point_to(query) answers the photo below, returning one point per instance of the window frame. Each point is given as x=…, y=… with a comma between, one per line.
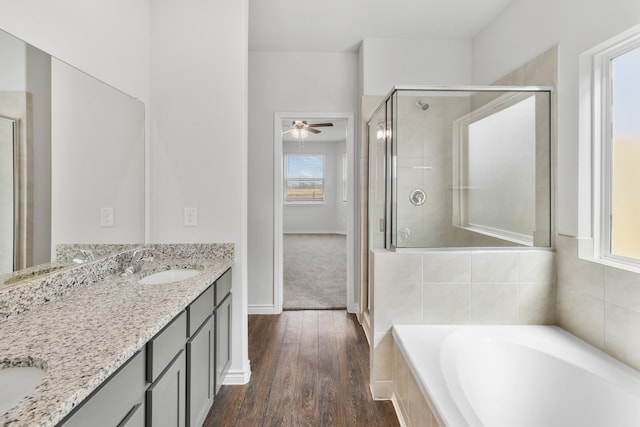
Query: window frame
x=344, y=179
x=318, y=202
x=460, y=141
x=597, y=137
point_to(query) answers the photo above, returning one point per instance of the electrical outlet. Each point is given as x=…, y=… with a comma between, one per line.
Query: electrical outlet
x=106, y=217
x=190, y=217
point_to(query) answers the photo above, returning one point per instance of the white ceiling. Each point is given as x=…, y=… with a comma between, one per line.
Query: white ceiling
x=340, y=25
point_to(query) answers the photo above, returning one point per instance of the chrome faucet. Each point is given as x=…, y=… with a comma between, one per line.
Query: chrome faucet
x=137, y=258
x=83, y=255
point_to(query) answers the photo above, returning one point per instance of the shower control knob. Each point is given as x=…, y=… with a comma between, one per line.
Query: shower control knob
x=418, y=197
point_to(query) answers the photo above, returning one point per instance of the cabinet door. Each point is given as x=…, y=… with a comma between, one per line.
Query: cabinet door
x=200, y=373
x=223, y=340
x=166, y=396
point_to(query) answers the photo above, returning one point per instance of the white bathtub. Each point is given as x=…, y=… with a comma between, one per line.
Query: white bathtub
x=517, y=376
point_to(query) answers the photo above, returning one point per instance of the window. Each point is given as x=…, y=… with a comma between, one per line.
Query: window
x=615, y=139
x=495, y=194
x=623, y=156
x=304, y=178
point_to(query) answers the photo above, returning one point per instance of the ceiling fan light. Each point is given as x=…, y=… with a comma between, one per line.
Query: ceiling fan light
x=304, y=133
x=295, y=132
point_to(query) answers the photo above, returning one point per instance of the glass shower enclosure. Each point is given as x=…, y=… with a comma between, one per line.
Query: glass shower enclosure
x=461, y=167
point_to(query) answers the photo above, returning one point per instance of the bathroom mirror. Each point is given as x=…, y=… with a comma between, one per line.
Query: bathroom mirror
x=72, y=154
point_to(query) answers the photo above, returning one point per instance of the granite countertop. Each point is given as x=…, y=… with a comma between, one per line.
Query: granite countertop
x=85, y=335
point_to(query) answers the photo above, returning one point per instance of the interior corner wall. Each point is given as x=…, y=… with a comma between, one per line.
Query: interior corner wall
x=285, y=82
x=389, y=62
x=527, y=28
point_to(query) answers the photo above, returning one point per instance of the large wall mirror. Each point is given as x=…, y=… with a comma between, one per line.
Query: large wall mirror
x=71, y=155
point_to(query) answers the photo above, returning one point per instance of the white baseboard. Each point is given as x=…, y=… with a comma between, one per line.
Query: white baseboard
x=262, y=309
x=399, y=415
x=344, y=233
x=239, y=376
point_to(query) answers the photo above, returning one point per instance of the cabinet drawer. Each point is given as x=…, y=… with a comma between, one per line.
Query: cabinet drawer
x=223, y=286
x=163, y=347
x=115, y=400
x=200, y=310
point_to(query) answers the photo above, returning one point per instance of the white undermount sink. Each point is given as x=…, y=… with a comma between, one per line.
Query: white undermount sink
x=22, y=381
x=169, y=276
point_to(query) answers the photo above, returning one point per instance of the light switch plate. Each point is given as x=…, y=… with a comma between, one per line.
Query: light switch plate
x=107, y=217
x=190, y=217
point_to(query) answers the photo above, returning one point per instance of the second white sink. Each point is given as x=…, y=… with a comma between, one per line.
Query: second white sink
x=169, y=276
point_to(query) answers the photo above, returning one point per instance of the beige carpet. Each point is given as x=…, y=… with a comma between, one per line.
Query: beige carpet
x=315, y=271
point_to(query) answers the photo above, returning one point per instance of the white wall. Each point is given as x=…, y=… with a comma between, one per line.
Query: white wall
x=328, y=217
x=198, y=136
x=389, y=62
x=13, y=73
x=285, y=82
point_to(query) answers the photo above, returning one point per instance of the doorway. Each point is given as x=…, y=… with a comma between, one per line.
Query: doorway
x=314, y=211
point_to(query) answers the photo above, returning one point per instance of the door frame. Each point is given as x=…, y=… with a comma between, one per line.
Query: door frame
x=278, y=203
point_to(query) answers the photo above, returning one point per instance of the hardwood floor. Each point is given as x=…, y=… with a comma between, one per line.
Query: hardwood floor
x=309, y=368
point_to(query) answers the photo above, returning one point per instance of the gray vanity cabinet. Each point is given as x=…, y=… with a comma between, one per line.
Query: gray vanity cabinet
x=173, y=380
x=118, y=402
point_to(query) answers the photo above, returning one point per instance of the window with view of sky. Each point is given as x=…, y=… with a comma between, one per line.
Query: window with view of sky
x=625, y=155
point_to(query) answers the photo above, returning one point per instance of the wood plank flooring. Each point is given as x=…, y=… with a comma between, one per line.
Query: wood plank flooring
x=309, y=368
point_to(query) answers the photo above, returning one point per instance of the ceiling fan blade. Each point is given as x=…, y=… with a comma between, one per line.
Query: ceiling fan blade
x=312, y=130
x=286, y=131
x=317, y=125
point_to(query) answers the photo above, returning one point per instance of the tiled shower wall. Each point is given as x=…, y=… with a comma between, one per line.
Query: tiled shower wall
x=599, y=304
x=455, y=286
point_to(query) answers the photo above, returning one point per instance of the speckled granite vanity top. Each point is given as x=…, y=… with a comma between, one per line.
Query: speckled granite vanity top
x=82, y=336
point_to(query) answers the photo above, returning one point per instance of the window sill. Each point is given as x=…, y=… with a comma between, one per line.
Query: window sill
x=306, y=204
x=586, y=253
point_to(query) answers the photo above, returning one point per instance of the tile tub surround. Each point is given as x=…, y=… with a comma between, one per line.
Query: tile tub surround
x=84, y=336
x=410, y=403
x=599, y=303
x=455, y=287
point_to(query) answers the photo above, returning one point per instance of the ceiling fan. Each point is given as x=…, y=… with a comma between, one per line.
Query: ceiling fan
x=301, y=129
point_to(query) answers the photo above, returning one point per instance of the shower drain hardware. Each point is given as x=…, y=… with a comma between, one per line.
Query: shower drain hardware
x=418, y=197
